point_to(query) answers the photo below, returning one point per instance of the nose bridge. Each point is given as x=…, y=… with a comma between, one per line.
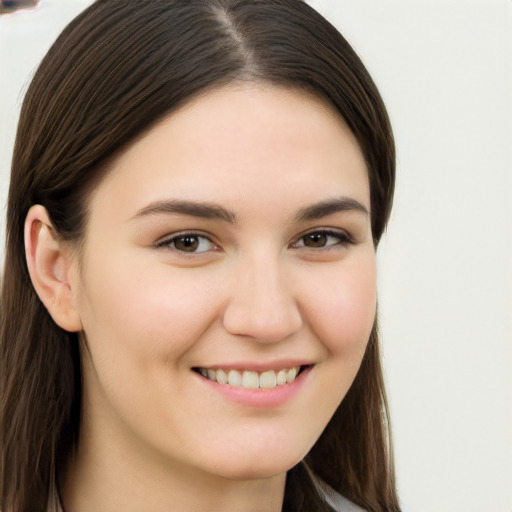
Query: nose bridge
x=262, y=304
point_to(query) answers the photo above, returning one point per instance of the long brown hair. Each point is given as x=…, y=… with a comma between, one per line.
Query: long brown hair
x=114, y=72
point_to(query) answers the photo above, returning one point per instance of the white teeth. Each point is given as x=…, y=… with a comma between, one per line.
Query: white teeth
x=281, y=377
x=234, y=378
x=268, y=380
x=291, y=375
x=251, y=379
x=221, y=378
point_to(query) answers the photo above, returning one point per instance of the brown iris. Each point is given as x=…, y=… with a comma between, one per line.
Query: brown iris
x=186, y=243
x=315, y=240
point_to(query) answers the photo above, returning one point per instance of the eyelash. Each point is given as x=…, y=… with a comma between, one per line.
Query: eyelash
x=343, y=240
x=170, y=243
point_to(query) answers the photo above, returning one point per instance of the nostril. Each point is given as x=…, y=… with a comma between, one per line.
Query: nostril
x=262, y=322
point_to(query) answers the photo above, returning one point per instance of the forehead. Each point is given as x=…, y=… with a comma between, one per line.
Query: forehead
x=240, y=143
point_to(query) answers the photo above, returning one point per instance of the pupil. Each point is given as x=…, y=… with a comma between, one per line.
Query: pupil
x=187, y=243
x=315, y=240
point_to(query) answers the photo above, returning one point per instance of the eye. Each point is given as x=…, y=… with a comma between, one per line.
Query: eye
x=322, y=239
x=188, y=243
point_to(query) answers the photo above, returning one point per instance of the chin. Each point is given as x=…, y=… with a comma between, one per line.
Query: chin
x=262, y=467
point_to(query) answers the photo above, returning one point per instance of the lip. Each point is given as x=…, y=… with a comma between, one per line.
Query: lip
x=259, y=398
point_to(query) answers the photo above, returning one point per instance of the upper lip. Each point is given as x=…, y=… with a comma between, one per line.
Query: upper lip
x=258, y=366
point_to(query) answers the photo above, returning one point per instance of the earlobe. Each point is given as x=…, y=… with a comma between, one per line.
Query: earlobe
x=49, y=266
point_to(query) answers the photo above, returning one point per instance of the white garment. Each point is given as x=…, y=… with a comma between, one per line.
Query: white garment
x=335, y=499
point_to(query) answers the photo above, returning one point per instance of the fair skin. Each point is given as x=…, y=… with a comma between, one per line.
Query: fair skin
x=234, y=236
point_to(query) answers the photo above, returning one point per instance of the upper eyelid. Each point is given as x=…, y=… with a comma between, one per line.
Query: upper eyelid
x=172, y=236
x=327, y=231
x=168, y=244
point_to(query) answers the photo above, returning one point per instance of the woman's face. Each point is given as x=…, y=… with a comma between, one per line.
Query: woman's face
x=232, y=242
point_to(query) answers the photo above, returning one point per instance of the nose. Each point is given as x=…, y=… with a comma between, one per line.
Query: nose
x=262, y=305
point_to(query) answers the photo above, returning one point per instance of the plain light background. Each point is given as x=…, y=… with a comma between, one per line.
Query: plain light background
x=444, y=69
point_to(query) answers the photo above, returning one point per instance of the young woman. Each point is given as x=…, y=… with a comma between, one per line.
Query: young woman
x=189, y=300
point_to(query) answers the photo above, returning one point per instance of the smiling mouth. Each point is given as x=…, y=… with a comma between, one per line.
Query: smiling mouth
x=268, y=379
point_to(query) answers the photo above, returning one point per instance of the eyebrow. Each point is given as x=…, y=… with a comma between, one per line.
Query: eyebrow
x=203, y=210
x=329, y=207
x=212, y=211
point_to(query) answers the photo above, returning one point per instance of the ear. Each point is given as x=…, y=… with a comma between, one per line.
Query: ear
x=49, y=264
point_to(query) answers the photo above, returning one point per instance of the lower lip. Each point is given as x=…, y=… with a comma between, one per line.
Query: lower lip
x=264, y=398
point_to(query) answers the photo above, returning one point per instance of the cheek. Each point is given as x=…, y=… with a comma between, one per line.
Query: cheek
x=155, y=310
x=343, y=312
